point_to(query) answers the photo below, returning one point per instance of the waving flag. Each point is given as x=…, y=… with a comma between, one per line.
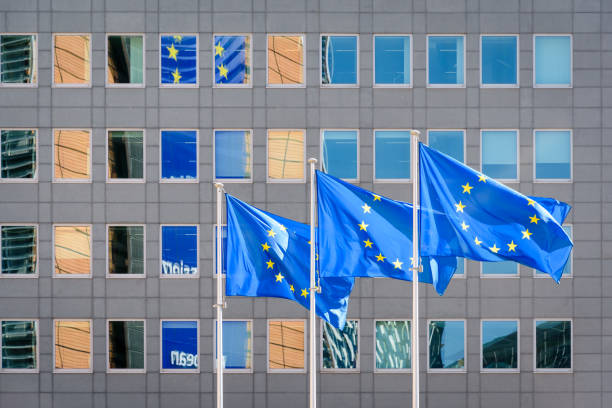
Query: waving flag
x=179, y=59
x=232, y=59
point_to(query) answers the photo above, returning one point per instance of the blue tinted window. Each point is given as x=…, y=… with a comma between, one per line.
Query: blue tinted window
x=223, y=246
x=179, y=151
x=231, y=59
x=449, y=142
x=567, y=270
x=232, y=154
x=340, y=153
x=499, y=344
x=499, y=154
x=446, y=344
x=392, y=60
x=237, y=344
x=179, y=345
x=553, y=154
x=179, y=56
x=179, y=250
x=445, y=60
x=499, y=60
x=500, y=268
x=339, y=60
x=553, y=344
x=460, y=266
x=392, y=154
x=553, y=60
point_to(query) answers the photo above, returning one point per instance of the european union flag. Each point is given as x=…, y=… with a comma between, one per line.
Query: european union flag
x=179, y=59
x=269, y=256
x=485, y=220
x=232, y=59
x=368, y=235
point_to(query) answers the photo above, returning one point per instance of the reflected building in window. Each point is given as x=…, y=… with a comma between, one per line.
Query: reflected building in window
x=126, y=345
x=71, y=60
x=73, y=340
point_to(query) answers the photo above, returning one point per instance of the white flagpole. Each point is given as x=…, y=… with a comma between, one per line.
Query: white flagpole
x=313, y=290
x=219, y=305
x=415, y=268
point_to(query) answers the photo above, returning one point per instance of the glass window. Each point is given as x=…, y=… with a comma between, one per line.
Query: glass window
x=179, y=155
x=500, y=268
x=72, y=155
x=18, y=154
x=179, y=345
x=286, y=155
x=179, y=254
x=125, y=60
x=72, y=250
x=553, y=344
x=392, y=344
x=179, y=59
x=500, y=154
x=73, y=345
x=499, y=60
x=126, y=345
x=72, y=60
x=340, y=154
x=553, y=60
x=232, y=60
x=19, y=345
x=223, y=246
x=392, y=60
x=553, y=154
x=460, y=267
x=233, y=155
x=19, y=250
x=500, y=344
x=339, y=60
x=449, y=142
x=286, y=345
x=125, y=155
x=285, y=60
x=237, y=344
x=445, y=60
x=392, y=157
x=340, y=348
x=18, y=60
x=126, y=250
x=447, y=344
x=567, y=270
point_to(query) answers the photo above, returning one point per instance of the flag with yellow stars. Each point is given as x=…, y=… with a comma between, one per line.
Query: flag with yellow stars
x=362, y=234
x=269, y=256
x=179, y=59
x=486, y=220
x=231, y=59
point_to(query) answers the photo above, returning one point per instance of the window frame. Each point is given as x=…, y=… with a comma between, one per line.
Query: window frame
x=109, y=275
x=70, y=276
x=23, y=370
x=454, y=86
x=168, y=180
x=163, y=370
x=214, y=161
x=518, y=155
x=544, y=275
x=465, y=354
x=126, y=370
x=321, y=140
x=374, y=178
x=194, y=276
x=518, y=347
x=34, y=179
x=214, y=352
x=374, y=84
x=34, y=275
x=304, y=52
x=518, y=61
x=87, y=85
x=144, y=61
x=282, y=181
x=179, y=85
x=357, y=51
x=71, y=180
x=142, y=180
x=571, y=162
x=232, y=34
x=73, y=370
x=535, y=351
x=463, y=131
x=391, y=370
x=357, y=369
x=36, y=63
x=286, y=370
x=533, y=61
x=500, y=275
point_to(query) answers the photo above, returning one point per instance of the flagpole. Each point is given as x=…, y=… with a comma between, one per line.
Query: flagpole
x=219, y=305
x=313, y=289
x=415, y=268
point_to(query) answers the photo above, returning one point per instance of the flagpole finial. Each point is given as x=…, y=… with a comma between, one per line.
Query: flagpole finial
x=312, y=160
x=218, y=185
x=415, y=133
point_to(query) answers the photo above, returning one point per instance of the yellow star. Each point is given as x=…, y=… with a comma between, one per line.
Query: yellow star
x=526, y=234
x=482, y=177
x=270, y=264
x=464, y=226
x=368, y=243
x=292, y=288
x=530, y=202
x=363, y=226
x=397, y=264
x=460, y=207
x=173, y=52
x=494, y=249
x=534, y=219
x=265, y=246
x=304, y=293
x=178, y=38
x=467, y=188
x=271, y=233
x=511, y=246
x=279, y=277
x=223, y=71
x=282, y=228
x=380, y=257
x=366, y=208
x=177, y=76
x=477, y=241
x=376, y=197
x=219, y=49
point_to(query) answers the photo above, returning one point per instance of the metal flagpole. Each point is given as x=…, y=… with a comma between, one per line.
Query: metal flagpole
x=219, y=305
x=313, y=290
x=416, y=265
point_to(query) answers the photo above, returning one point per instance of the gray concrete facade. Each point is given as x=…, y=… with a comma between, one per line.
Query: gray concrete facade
x=586, y=108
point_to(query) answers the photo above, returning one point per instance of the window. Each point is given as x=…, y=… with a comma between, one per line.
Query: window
x=180, y=351
x=286, y=345
x=179, y=250
x=339, y=64
x=447, y=345
x=126, y=251
x=232, y=61
x=233, y=155
x=500, y=345
x=223, y=246
x=179, y=155
x=553, y=345
x=178, y=60
x=460, y=268
x=392, y=345
x=499, y=60
x=499, y=154
x=449, y=142
x=72, y=60
x=19, y=250
x=445, y=61
x=340, y=349
x=18, y=158
x=126, y=346
x=553, y=155
x=340, y=153
x=20, y=345
x=18, y=59
x=286, y=55
x=72, y=155
x=567, y=270
x=72, y=250
x=73, y=344
x=125, y=155
x=391, y=155
x=392, y=60
x=552, y=60
x=237, y=345
x=286, y=156
x=125, y=60
x=500, y=269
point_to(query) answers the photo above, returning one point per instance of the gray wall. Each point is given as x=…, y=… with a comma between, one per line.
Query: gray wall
x=586, y=108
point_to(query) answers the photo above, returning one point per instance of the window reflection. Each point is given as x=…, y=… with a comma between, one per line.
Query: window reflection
x=499, y=154
x=125, y=250
x=237, y=344
x=72, y=344
x=179, y=154
x=553, y=344
x=339, y=60
x=232, y=59
x=72, y=153
x=18, y=154
x=553, y=154
x=18, y=249
x=72, y=250
x=18, y=59
x=340, y=150
x=285, y=60
x=499, y=60
x=446, y=344
x=286, y=344
x=179, y=345
x=500, y=268
x=125, y=59
x=286, y=155
x=125, y=154
x=449, y=142
x=499, y=344
x=19, y=344
x=126, y=344
x=445, y=60
x=179, y=250
x=71, y=63
x=233, y=150
x=392, y=59
x=393, y=344
x=340, y=348
x=392, y=154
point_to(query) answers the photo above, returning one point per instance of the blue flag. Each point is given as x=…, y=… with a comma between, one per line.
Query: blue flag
x=269, y=256
x=368, y=235
x=179, y=59
x=231, y=59
x=485, y=220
